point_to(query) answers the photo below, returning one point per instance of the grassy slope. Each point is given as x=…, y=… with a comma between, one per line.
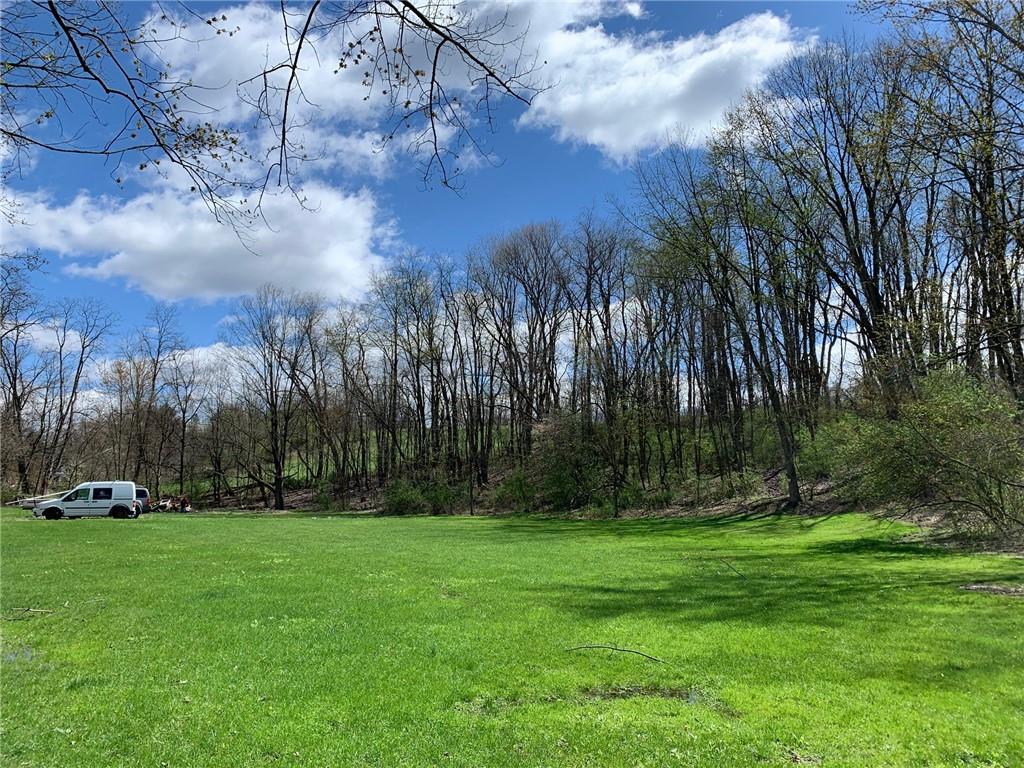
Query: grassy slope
x=233, y=641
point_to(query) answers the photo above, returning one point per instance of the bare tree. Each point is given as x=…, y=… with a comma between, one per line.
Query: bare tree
x=263, y=354
x=187, y=383
x=24, y=370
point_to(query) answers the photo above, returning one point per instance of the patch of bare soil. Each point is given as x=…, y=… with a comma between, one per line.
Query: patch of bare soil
x=608, y=692
x=798, y=759
x=483, y=706
x=1009, y=590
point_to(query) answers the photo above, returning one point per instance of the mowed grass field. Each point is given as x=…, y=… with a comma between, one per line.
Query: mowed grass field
x=306, y=640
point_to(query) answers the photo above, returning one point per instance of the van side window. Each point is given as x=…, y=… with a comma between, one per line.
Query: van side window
x=82, y=494
x=102, y=494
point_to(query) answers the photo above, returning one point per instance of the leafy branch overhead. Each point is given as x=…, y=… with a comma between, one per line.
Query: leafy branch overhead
x=89, y=79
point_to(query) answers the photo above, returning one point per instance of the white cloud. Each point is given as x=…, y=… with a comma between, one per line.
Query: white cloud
x=207, y=356
x=222, y=65
x=53, y=338
x=624, y=93
x=171, y=247
x=634, y=9
x=351, y=153
x=336, y=122
x=331, y=121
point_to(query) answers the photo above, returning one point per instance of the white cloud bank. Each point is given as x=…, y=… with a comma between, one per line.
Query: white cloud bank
x=335, y=119
x=172, y=248
x=622, y=92
x=625, y=93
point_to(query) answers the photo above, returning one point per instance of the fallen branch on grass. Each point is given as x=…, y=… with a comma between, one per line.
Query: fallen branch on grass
x=616, y=648
x=20, y=612
x=731, y=567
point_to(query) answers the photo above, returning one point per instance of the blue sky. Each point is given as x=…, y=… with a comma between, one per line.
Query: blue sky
x=621, y=76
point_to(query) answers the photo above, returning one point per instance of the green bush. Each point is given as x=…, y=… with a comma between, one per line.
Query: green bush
x=441, y=496
x=657, y=499
x=600, y=508
x=957, y=444
x=744, y=484
x=294, y=483
x=515, y=493
x=765, y=450
x=567, y=467
x=822, y=456
x=404, y=498
x=631, y=495
x=322, y=497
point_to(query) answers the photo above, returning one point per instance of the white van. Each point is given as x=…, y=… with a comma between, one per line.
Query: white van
x=109, y=498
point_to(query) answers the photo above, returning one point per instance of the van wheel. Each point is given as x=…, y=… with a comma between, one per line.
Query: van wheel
x=119, y=513
x=53, y=513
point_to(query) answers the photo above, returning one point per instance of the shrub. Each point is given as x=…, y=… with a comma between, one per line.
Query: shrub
x=958, y=444
x=765, y=450
x=822, y=456
x=600, y=509
x=631, y=495
x=657, y=499
x=404, y=498
x=566, y=464
x=515, y=493
x=441, y=496
x=744, y=484
x=322, y=497
x=294, y=483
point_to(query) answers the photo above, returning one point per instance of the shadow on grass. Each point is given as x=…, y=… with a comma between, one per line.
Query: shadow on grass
x=731, y=530
x=267, y=514
x=756, y=600
x=882, y=547
x=825, y=584
x=535, y=525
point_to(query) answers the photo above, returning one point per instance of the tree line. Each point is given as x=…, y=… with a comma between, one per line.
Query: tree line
x=852, y=232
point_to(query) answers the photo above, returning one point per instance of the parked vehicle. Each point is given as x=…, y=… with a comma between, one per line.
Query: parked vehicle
x=142, y=496
x=108, y=498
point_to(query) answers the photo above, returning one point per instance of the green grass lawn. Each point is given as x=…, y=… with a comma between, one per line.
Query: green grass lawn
x=331, y=641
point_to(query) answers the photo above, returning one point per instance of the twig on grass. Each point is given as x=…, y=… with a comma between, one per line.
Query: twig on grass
x=731, y=568
x=616, y=648
x=19, y=612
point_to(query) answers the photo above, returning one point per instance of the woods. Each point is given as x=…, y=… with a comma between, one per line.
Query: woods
x=849, y=238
